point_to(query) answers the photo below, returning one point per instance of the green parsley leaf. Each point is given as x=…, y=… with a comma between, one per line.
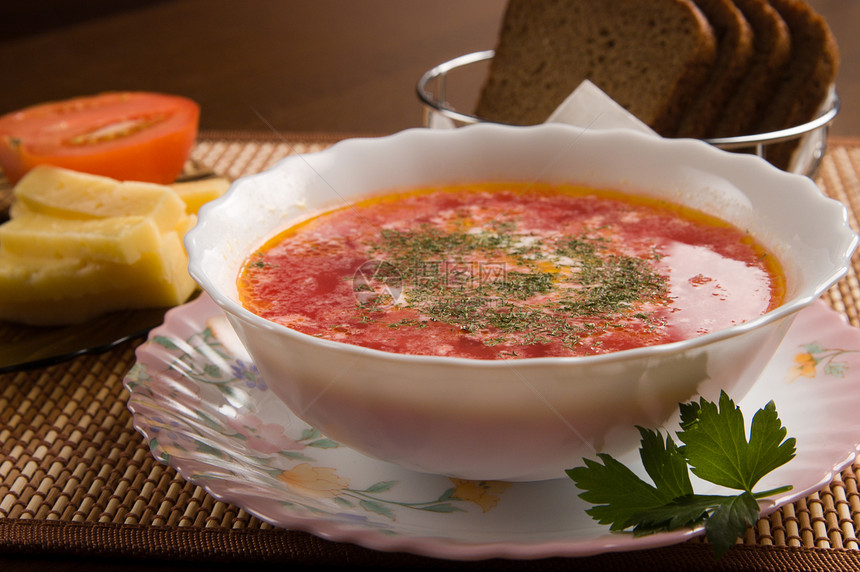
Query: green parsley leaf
x=716, y=449
x=729, y=519
x=665, y=464
x=619, y=492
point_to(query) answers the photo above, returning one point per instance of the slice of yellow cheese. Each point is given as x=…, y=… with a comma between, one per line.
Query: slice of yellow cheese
x=197, y=193
x=20, y=210
x=79, y=309
x=63, y=193
x=54, y=291
x=122, y=239
x=80, y=245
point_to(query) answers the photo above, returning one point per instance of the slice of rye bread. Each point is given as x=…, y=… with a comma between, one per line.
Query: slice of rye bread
x=810, y=75
x=772, y=43
x=734, y=56
x=650, y=56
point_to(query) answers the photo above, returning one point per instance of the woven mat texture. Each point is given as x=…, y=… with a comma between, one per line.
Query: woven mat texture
x=76, y=478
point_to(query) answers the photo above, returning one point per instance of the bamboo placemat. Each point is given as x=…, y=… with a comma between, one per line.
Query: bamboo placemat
x=77, y=479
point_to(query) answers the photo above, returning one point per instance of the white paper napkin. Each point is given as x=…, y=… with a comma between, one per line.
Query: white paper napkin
x=589, y=107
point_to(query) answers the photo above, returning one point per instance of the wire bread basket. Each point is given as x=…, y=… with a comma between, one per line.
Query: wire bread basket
x=450, y=87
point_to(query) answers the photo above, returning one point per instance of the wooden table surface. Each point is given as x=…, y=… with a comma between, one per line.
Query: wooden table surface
x=287, y=65
x=293, y=66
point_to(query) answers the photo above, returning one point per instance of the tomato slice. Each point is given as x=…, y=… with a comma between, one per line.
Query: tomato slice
x=135, y=136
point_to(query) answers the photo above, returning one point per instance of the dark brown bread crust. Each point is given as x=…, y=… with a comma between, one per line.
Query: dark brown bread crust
x=813, y=68
x=651, y=56
x=772, y=43
x=690, y=68
x=734, y=56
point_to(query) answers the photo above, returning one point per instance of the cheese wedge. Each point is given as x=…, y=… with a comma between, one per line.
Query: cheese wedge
x=121, y=239
x=183, y=224
x=79, y=245
x=79, y=309
x=197, y=193
x=31, y=278
x=63, y=193
x=54, y=291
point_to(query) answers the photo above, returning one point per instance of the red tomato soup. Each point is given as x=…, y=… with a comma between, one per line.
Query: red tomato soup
x=510, y=271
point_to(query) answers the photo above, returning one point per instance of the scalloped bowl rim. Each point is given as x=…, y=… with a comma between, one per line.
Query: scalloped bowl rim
x=194, y=243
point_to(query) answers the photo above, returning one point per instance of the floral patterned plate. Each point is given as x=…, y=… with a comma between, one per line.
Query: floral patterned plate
x=204, y=410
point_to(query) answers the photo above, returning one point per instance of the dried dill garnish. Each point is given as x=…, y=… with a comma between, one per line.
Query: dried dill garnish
x=515, y=287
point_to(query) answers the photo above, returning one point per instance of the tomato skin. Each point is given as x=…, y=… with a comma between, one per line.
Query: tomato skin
x=136, y=136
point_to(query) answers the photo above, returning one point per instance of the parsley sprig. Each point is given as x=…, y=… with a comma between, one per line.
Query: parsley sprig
x=715, y=448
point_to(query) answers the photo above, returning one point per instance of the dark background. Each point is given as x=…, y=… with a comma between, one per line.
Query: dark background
x=343, y=66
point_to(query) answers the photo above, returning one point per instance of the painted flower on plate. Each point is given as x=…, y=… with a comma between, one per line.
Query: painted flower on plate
x=815, y=359
x=263, y=437
x=485, y=494
x=315, y=482
x=804, y=366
